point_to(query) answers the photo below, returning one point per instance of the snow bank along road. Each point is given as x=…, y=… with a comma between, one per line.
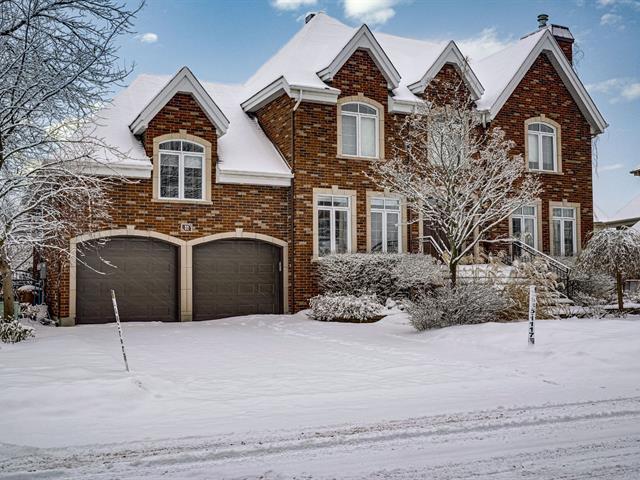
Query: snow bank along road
x=569, y=441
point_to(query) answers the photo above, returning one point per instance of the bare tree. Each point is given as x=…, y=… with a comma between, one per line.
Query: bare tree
x=614, y=252
x=58, y=66
x=460, y=177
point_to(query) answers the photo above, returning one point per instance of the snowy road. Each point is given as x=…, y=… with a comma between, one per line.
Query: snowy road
x=568, y=441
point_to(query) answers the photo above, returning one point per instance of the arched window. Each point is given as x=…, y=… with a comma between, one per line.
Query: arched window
x=360, y=130
x=181, y=170
x=542, y=146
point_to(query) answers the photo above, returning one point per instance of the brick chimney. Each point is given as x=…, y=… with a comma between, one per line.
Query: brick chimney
x=562, y=35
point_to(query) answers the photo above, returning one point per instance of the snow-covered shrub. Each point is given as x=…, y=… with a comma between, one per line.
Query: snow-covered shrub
x=14, y=331
x=345, y=308
x=613, y=252
x=387, y=275
x=587, y=287
x=535, y=272
x=38, y=313
x=463, y=304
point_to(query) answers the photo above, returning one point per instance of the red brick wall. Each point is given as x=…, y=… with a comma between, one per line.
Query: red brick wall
x=258, y=209
x=541, y=91
x=275, y=119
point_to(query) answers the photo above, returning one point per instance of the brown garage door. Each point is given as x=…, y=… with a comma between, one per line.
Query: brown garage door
x=145, y=281
x=236, y=277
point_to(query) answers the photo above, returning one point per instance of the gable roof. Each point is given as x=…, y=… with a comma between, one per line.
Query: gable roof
x=182, y=82
x=501, y=73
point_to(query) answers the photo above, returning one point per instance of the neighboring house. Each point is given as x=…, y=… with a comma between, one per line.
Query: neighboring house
x=628, y=215
x=240, y=187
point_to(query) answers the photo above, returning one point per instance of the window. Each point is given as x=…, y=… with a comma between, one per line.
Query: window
x=181, y=170
x=542, y=147
x=360, y=130
x=524, y=225
x=334, y=224
x=385, y=225
x=563, y=224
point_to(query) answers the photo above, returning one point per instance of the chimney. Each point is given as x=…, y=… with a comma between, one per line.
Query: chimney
x=562, y=35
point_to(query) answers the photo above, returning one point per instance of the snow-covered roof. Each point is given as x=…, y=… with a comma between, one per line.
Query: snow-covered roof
x=599, y=215
x=244, y=151
x=301, y=69
x=628, y=213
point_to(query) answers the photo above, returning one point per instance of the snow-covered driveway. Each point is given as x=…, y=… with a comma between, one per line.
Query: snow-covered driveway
x=373, y=397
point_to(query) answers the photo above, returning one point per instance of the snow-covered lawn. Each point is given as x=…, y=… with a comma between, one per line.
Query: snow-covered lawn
x=243, y=376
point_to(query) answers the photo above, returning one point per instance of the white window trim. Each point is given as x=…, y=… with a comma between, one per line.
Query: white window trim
x=181, y=177
x=384, y=211
x=403, y=242
x=332, y=221
x=557, y=144
x=535, y=224
x=359, y=116
x=379, y=126
x=206, y=168
x=352, y=241
x=563, y=219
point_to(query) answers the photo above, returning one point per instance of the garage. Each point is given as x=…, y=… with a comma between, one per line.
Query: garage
x=144, y=276
x=236, y=277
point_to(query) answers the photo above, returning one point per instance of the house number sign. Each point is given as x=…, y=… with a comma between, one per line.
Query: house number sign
x=186, y=227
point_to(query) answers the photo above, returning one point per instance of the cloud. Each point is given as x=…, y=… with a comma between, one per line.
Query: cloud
x=148, y=37
x=610, y=19
x=290, y=5
x=612, y=3
x=610, y=168
x=618, y=89
x=374, y=12
x=483, y=44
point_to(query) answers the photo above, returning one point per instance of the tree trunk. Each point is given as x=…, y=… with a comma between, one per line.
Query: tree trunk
x=453, y=271
x=619, y=291
x=7, y=291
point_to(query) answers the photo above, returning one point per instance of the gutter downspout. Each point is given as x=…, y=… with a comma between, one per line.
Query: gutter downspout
x=293, y=201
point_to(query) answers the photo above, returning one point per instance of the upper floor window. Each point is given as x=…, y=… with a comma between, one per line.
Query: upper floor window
x=360, y=130
x=386, y=232
x=542, y=147
x=181, y=170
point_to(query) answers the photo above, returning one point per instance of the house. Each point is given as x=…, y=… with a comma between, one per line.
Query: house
x=238, y=188
x=627, y=216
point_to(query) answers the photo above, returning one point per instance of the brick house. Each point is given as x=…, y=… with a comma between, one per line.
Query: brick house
x=235, y=189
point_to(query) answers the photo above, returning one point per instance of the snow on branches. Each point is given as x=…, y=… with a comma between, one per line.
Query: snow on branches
x=614, y=252
x=461, y=177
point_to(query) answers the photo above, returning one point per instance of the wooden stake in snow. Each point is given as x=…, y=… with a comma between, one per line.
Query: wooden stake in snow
x=115, y=310
x=532, y=313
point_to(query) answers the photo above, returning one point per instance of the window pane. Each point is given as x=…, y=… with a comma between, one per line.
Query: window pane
x=568, y=212
x=340, y=201
x=376, y=231
x=534, y=127
x=568, y=238
x=324, y=201
x=391, y=204
x=350, y=107
x=324, y=232
x=169, y=175
x=557, y=212
x=191, y=147
x=531, y=211
x=392, y=232
x=192, y=176
x=368, y=137
x=529, y=232
x=341, y=231
x=349, y=135
x=516, y=228
x=547, y=153
x=545, y=128
x=367, y=109
x=533, y=151
x=171, y=145
x=377, y=203
x=557, y=237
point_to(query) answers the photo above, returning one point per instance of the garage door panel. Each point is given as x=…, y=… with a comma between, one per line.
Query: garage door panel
x=144, y=276
x=235, y=277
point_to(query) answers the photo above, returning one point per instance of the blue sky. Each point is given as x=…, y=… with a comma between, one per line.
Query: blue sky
x=227, y=40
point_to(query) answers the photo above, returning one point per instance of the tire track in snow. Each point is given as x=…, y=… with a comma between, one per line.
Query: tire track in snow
x=619, y=448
